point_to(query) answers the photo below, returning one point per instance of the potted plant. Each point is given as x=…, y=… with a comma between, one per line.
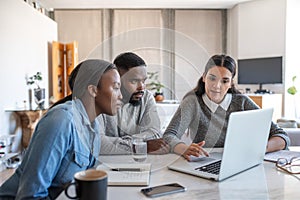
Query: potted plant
x=293, y=91
x=39, y=93
x=155, y=85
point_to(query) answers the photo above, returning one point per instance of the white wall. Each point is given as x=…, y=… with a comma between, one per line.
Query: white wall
x=25, y=34
x=194, y=45
x=90, y=23
x=261, y=28
x=257, y=29
x=292, y=56
x=148, y=33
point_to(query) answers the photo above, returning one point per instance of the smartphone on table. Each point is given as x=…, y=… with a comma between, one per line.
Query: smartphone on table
x=161, y=190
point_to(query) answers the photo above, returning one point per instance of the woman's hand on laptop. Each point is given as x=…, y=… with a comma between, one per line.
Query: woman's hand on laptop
x=195, y=149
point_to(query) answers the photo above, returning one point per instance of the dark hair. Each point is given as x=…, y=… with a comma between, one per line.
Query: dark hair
x=61, y=101
x=73, y=75
x=220, y=61
x=128, y=60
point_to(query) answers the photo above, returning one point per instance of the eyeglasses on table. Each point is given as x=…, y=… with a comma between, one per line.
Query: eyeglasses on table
x=291, y=166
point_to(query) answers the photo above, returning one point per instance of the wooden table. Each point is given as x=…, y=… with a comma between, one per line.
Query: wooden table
x=261, y=182
x=29, y=119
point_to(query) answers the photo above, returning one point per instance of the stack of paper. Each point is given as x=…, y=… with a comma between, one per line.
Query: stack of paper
x=135, y=174
x=273, y=156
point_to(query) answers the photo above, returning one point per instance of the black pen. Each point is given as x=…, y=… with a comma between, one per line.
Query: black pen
x=126, y=169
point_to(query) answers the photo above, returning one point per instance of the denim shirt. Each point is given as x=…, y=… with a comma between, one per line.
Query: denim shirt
x=61, y=146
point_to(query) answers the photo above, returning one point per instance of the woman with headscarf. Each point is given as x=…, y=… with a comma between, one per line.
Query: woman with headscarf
x=67, y=140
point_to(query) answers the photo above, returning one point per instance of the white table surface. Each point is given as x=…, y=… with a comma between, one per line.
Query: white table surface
x=261, y=182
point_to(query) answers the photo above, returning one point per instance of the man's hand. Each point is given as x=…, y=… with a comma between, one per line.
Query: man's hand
x=157, y=146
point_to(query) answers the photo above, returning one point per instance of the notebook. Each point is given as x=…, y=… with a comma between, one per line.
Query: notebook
x=134, y=174
x=244, y=147
x=273, y=156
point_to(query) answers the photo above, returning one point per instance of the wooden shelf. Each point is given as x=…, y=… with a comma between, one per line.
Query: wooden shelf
x=64, y=59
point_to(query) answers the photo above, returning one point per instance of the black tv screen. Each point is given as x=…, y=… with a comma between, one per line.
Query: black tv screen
x=260, y=71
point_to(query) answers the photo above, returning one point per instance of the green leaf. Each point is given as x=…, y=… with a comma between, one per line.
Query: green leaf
x=35, y=79
x=154, y=83
x=292, y=90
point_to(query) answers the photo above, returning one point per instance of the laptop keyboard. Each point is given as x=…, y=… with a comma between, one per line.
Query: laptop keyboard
x=213, y=168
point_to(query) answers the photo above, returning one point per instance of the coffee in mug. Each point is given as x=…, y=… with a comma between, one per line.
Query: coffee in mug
x=90, y=184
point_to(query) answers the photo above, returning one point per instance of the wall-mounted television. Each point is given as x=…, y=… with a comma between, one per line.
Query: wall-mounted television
x=260, y=71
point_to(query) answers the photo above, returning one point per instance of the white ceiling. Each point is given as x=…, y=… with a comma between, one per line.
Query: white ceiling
x=188, y=4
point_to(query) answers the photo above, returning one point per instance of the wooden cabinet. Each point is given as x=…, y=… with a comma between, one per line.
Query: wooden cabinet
x=64, y=59
x=269, y=101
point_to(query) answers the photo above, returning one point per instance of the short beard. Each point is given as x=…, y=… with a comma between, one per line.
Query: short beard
x=136, y=102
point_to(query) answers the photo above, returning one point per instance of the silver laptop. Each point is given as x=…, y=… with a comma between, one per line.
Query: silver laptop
x=245, y=146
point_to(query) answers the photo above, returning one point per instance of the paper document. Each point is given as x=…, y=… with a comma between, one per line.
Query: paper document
x=273, y=156
x=135, y=174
